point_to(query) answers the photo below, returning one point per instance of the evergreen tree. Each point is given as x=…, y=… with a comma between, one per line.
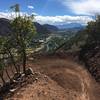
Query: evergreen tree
x=23, y=31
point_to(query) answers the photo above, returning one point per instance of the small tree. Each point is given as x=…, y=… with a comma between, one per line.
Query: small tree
x=22, y=33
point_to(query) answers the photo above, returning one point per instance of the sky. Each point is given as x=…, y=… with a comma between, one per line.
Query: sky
x=54, y=11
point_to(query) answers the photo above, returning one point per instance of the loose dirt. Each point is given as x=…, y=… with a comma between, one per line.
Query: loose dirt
x=61, y=79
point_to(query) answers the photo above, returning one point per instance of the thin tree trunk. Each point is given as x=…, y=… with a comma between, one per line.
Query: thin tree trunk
x=8, y=75
x=24, y=61
x=2, y=79
x=12, y=69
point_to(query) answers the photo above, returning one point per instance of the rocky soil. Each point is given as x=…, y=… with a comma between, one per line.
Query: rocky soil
x=57, y=78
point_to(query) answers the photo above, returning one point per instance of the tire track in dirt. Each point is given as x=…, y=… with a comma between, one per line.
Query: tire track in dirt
x=62, y=71
x=73, y=79
x=84, y=95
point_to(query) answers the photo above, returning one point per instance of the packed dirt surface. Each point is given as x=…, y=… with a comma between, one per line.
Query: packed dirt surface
x=61, y=79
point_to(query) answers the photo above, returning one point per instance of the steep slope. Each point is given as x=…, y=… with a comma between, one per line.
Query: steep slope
x=70, y=81
x=90, y=55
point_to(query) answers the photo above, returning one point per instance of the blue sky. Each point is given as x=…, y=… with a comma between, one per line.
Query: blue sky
x=55, y=11
x=42, y=7
x=50, y=8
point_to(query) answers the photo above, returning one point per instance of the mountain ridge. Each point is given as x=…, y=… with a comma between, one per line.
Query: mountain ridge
x=70, y=26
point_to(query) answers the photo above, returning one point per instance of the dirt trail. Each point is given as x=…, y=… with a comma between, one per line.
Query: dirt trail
x=71, y=76
x=66, y=80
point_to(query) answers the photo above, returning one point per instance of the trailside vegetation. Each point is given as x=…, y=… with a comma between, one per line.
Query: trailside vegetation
x=13, y=47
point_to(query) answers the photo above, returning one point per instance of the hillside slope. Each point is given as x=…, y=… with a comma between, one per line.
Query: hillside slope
x=90, y=55
x=62, y=80
x=5, y=27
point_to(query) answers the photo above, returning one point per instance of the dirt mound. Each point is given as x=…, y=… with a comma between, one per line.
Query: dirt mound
x=42, y=89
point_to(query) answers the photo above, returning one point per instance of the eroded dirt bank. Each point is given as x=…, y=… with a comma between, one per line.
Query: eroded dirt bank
x=61, y=79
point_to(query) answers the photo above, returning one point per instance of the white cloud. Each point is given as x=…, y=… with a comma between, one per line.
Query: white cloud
x=35, y=14
x=30, y=7
x=62, y=19
x=10, y=15
x=53, y=20
x=85, y=7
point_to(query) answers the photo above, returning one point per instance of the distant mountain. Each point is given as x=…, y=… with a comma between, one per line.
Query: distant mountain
x=5, y=27
x=70, y=26
x=51, y=28
x=41, y=29
x=45, y=29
